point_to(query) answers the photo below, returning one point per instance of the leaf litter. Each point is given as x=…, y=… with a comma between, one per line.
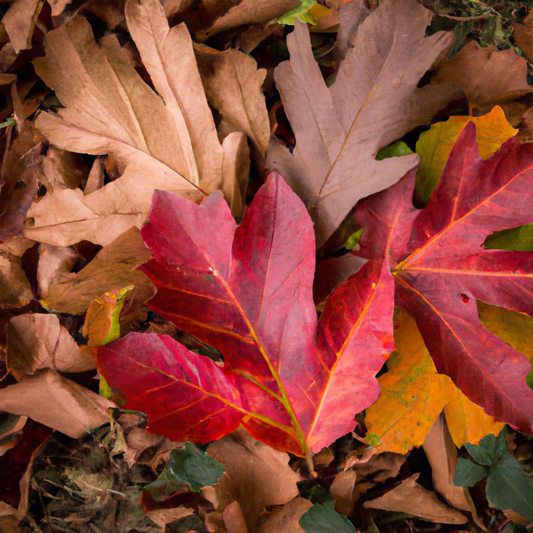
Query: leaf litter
x=143, y=233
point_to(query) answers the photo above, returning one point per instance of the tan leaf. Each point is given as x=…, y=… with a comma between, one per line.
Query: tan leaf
x=15, y=289
x=114, y=267
x=164, y=516
x=487, y=77
x=36, y=341
x=53, y=261
x=233, y=85
x=256, y=475
x=234, y=519
x=248, y=12
x=410, y=497
x=374, y=101
x=342, y=490
x=19, y=22
x=286, y=518
x=523, y=36
x=168, y=144
x=56, y=402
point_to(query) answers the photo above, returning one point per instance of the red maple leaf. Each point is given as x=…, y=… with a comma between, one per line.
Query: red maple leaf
x=295, y=384
x=441, y=268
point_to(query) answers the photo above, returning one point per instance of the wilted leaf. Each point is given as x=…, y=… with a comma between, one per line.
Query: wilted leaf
x=15, y=289
x=435, y=145
x=441, y=268
x=524, y=38
x=19, y=22
x=115, y=266
x=76, y=409
x=36, y=341
x=410, y=497
x=486, y=76
x=169, y=145
x=256, y=476
x=257, y=279
x=102, y=320
x=324, y=519
x=286, y=518
x=373, y=102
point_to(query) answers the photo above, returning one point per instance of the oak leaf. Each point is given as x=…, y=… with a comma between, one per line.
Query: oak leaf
x=246, y=291
x=373, y=102
x=441, y=268
x=167, y=142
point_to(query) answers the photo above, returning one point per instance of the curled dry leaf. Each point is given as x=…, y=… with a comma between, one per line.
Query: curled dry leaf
x=410, y=497
x=114, y=267
x=19, y=22
x=247, y=12
x=36, y=341
x=373, y=102
x=75, y=408
x=486, y=76
x=233, y=86
x=15, y=289
x=168, y=144
x=286, y=518
x=256, y=476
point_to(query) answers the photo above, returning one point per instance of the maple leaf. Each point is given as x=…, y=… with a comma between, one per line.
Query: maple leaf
x=247, y=291
x=373, y=101
x=167, y=142
x=441, y=268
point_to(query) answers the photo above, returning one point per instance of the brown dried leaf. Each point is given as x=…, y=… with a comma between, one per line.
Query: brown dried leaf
x=342, y=490
x=53, y=261
x=487, y=77
x=168, y=145
x=233, y=86
x=410, y=497
x=248, y=12
x=75, y=408
x=256, y=475
x=19, y=22
x=374, y=101
x=36, y=341
x=114, y=267
x=234, y=519
x=286, y=518
x=15, y=289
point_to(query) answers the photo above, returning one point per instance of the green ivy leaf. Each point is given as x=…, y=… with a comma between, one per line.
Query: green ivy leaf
x=467, y=473
x=324, y=519
x=489, y=450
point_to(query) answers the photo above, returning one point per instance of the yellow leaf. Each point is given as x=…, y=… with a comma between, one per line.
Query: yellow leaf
x=412, y=393
x=467, y=421
x=434, y=146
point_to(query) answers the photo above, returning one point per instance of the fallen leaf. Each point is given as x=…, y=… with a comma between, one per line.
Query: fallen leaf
x=19, y=22
x=234, y=519
x=410, y=497
x=373, y=102
x=412, y=393
x=247, y=12
x=76, y=409
x=261, y=317
x=352, y=14
x=342, y=490
x=110, y=110
x=36, y=341
x=233, y=85
x=286, y=518
x=15, y=289
x=435, y=145
x=486, y=76
x=256, y=476
x=441, y=268
x=53, y=261
x=524, y=38
x=322, y=518
x=115, y=266
x=442, y=456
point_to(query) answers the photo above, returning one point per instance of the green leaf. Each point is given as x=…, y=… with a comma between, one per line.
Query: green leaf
x=519, y=239
x=397, y=149
x=510, y=488
x=353, y=239
x=468, y=473
x=324, y=519
x=187, y=469
x=489, y=450
x=300, y=13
